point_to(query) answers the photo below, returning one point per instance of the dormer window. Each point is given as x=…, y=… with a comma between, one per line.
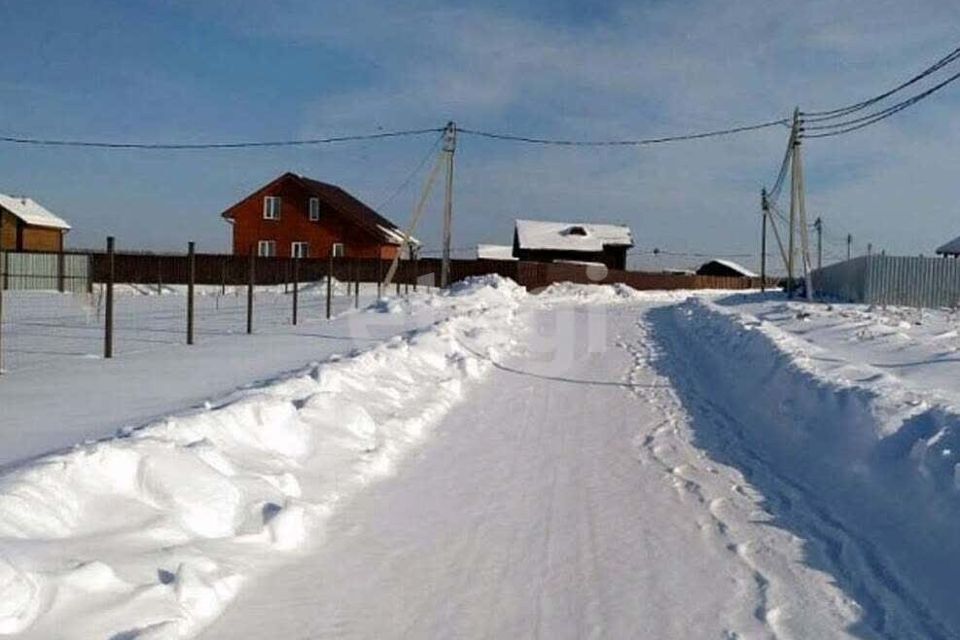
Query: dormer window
x=271, y=208
x=575, y=230
x=314, y=209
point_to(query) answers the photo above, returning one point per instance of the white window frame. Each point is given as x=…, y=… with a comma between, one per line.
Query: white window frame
x=338, y=250
x=271, y=207
x=313, y=209
x=267, y=248
x=299, y=249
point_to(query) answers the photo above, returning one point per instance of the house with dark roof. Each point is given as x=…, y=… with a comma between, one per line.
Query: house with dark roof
x=29, y=226
x=296, y=216
x=589, y=242
x=951, y=248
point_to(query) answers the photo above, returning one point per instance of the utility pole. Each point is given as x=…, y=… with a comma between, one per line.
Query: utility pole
x=818, y=225
x=449, y=147
x=849, y=242
x=765, y=208
x=791, y=242
x=801, y=207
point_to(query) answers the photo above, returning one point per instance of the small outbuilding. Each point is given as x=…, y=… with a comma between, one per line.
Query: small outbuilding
x=544, y=241
x=951, y=249
x=28, y=226
x=495, y=252
x=726, y=269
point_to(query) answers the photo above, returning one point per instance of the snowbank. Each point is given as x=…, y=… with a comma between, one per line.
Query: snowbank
x=151, y=534
x=851, y=459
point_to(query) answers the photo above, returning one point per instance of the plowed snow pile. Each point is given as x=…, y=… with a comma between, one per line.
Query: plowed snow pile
x=152, y=533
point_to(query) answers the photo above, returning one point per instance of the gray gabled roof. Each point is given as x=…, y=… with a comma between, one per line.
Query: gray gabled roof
x=952, y=248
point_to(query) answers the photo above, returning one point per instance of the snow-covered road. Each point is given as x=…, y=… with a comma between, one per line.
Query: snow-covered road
x=585, y=462
x=563, y=499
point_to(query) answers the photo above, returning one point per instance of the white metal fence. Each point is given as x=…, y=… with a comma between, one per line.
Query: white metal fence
x=895, y=280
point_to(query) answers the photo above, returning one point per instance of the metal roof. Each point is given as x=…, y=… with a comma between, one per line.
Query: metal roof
x=32, y=212
x=571, y=236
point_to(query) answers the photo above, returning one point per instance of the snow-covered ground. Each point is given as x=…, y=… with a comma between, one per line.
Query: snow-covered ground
x=585, y=462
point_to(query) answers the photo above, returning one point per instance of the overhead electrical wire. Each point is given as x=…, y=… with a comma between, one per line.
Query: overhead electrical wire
x=406, y=182
x=812, y=116
x=622, y=143
x=48, y=142
x=839, y=128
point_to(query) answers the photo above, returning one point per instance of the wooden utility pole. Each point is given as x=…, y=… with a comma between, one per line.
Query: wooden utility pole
x=791, y=241
x=849, y=242
x=449, y=147
x=765, y=208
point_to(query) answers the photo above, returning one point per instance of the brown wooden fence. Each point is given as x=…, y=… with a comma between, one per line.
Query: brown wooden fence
x=228, y=270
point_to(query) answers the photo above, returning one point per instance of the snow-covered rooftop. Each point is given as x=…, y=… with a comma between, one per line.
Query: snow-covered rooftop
x=32, y=212
x=736, y=266
x=495, y=252
x=952, y=248
x=571, y=236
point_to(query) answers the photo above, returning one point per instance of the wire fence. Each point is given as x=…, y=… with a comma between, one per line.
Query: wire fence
x=96, y=305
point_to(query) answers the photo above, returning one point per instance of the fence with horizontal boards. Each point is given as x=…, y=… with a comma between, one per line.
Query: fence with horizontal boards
x=227, y=270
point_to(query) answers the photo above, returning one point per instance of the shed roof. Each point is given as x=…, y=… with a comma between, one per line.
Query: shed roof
x=495, y=252
x=952, y=248
x=571, y=236
x=730, y=264
x=32, y=212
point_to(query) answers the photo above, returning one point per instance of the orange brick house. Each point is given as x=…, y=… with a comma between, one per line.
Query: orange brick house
x=28, y=226
x=295, y=216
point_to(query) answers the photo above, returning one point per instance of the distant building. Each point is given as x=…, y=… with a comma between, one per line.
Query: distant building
x=28, y=226
x=543, y=241
x=495, y=252
x=725, y=268
x=295, y=216
x=952, y=248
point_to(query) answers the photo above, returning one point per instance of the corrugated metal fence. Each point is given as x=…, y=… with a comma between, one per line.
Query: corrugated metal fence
x=895, y=280
x=66, y=272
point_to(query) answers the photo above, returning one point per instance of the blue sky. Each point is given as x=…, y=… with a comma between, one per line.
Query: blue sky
x=213, y=70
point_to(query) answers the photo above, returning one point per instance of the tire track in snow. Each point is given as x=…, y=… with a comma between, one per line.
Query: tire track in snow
x=689, y=471
x=884, y=606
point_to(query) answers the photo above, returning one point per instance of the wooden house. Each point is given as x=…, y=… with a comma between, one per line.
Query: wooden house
x=296, y=216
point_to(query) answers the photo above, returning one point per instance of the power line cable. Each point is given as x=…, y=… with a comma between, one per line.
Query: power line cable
x=857, y=106
x=403, y=185
x=622, y=143
x=49, y=142
x=841, y=128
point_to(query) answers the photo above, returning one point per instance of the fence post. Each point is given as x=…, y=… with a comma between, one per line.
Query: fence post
x=250, y=280
x=356, y=283
x=296, y=287
x=191, y=281
x=108, y=320
x=329, y=282
x=61, y=272
x=379, y=274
